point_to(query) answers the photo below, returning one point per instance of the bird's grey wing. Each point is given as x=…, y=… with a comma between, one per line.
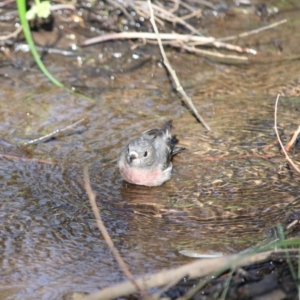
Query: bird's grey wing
x=162, y=143
x=163, y=152
x=151, y=134
x=170, y=139
x=176, y=150
x=164, y=132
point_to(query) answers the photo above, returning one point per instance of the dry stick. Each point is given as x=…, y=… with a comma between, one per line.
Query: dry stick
x=176, y=6
x=292, y=141
x=62, y=6
x=149, y=35
x=179, y=88
x=170, y=284
x=173, y=37
x=193, y=49
x=198, y=268
x=56, y=133
x=172, y=18
x=278, y=137
x=244, y=34
x=190, y=48
x=11, y=35
x=186, y=39
x=105, y=234
x=143, y=14
x=122, y=8
x=234, y=47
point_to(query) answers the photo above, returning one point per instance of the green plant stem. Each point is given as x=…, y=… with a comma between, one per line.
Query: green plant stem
x=288, y=257
x=22, y=14
x=223, y=297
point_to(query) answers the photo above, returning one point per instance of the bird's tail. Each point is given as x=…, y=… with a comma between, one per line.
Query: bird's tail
x=165, y=132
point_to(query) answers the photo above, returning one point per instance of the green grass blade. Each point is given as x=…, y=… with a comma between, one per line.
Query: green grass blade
x=288, y=257
x=22, y=14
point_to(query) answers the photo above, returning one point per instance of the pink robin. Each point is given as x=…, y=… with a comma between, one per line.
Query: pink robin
x=146, y=160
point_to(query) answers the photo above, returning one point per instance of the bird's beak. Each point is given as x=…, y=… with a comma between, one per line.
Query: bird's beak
x=132, y=156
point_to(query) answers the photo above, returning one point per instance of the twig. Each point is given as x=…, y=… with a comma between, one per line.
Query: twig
x=56, y=133
x=190, y=40
x=172, y=18
x=278, y=137
x=176, y=6
x=62, y=6
x=176, y=40
x=149, y=35
x=292, y=141
x=105, y=234
x=172, y=72
x=144, y=14
x=244, y=34
x=192, y=270
x=236, y=48
x=211, y=53
x=11, y=35
x=165, y=288
x=122, y=8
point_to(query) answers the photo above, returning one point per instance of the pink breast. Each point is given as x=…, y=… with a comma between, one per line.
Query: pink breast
x=141, y=176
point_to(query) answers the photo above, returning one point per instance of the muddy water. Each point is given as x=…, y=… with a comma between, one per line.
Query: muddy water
x=228, y=189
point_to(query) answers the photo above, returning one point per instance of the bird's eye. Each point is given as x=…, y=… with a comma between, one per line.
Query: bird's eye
x=145, y=154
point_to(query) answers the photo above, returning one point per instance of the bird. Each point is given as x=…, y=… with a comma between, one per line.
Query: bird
x=146, y=160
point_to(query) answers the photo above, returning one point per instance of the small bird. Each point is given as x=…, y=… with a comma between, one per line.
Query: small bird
x=146, y=160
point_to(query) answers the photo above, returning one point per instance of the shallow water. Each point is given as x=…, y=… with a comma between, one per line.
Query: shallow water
x=228, y=189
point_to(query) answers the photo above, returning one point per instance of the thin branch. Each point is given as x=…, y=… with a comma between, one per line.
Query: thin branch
x=149, y=35
x=176, y=6
x=211, y=53
x=176, y=40
x=172, y=72
x=187, y=41
x=56, y=133
x=236, y=48
x=62, y=6
x=198, y=268
x=11, y=35
x=122, y=8
x=292, y=141
x=166, y=15
x=278, y=137
x=247, y=33
x=104, y=232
